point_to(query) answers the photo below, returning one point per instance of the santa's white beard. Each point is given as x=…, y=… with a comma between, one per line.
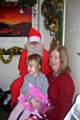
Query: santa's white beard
x=34, y=49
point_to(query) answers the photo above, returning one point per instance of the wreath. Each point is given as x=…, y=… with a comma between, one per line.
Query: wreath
x=10, y=53
x=52, y=10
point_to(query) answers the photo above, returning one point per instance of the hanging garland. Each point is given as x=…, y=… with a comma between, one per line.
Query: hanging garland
x=23, y=3
x=28, y=3
x=10, y=53
x=52, y=10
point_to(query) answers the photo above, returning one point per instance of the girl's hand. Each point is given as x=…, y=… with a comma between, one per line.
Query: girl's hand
x=35, y=103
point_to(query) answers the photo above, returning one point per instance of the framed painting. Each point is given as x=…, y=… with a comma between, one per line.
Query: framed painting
x=15, y=20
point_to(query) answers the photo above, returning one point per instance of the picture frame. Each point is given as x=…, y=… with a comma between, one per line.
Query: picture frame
x=15, y=20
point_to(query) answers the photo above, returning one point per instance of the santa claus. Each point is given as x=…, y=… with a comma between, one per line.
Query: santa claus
x=34, y=45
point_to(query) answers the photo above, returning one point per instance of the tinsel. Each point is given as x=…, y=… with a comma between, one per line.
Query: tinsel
x=52, y=10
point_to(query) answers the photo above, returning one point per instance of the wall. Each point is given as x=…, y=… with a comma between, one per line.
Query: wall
x=39, y=25
x=8, y=72
x=72, y=39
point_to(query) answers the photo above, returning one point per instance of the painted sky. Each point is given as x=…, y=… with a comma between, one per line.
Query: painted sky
x=11, y=14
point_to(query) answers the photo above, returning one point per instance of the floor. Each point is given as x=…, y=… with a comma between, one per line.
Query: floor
x=4, y=114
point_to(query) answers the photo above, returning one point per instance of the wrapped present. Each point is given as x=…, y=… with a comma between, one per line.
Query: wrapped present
x=37, y=95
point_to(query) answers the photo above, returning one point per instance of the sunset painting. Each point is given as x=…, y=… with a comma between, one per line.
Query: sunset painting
x=14, y=21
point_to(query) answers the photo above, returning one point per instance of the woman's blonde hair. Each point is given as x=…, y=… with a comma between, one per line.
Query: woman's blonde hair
x=63, y=55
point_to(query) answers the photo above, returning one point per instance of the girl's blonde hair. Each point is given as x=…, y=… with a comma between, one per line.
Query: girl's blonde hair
x=36, y=60
x=63, y=55
x=35, y=57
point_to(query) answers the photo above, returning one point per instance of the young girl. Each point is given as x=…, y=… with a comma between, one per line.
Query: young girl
x=28, y=101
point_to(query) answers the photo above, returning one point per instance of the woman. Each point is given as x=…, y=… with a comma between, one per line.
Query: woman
x=61, y=86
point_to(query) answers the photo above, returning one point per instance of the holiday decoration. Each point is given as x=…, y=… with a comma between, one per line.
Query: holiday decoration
x=23, y=3
x=10, y=53
x=52, y=10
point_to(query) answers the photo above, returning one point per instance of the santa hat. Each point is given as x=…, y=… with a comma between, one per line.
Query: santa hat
x=34, y=36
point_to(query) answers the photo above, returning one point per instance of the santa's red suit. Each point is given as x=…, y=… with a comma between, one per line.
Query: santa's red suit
x=17, y=83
